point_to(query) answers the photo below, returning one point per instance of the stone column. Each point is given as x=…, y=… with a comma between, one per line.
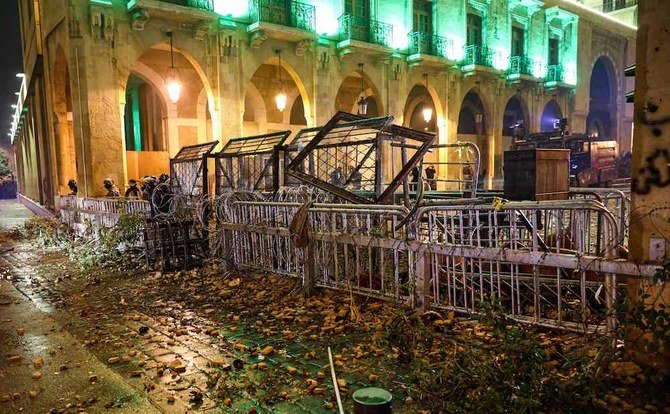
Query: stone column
x=96, y=114
x=650, y=215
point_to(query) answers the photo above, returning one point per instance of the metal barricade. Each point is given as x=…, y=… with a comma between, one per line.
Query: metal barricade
x=528, y=257
x=615, y=200
x=88, y=214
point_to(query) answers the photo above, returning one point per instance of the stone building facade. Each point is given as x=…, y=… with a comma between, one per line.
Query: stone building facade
x=98, y=75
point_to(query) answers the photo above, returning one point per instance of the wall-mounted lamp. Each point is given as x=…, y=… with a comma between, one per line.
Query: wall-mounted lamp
x=362, y=101
x=173, y=81
x=280, y=98
x=427, y=110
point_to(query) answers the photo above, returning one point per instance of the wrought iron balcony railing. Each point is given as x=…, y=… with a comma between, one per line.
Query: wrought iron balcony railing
x=365, y=30
x=430, y=44
x=286, y=13
x=198, y=4
x=478, y=55
x=520, y=65
x=554, y=74
x=613, y=5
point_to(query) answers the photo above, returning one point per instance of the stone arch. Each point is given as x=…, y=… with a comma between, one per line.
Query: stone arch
x=195, y=65
x=551, y=112
x=65, y=144
x=266, y=82
x=350, y=90
x=603, y=92
x=515, y=113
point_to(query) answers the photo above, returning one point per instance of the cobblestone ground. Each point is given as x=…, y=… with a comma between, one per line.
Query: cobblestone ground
x=187, y=349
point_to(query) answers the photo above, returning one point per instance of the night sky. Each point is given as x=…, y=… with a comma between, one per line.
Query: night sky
x=11, y=64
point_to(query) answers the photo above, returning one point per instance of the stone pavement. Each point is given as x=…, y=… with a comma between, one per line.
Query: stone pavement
x=42, y=366
x=13, y=214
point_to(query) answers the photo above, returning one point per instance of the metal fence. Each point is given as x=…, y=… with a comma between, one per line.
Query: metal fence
x=545, y=263
x=87, y=214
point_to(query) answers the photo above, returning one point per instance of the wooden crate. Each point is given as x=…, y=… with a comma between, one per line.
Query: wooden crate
x=537, y=174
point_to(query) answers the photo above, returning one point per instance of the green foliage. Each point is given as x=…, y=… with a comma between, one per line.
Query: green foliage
x=4, y=164
x=46, y=231
x=647, y=320
x=124, y=235
x=508, y=371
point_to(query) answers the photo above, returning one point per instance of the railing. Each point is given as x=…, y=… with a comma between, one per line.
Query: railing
x=554, y=73
x=198, y=4
x=478, y=55
x=365, y=30
x=520, y=65
x=615, y=200
x=285, y=13
x=613, y=5
x=84, y=214
x=546, y=263
x=430, y=44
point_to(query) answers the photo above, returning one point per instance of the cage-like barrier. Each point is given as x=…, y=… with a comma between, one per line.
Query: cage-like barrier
x=361, y=161
x=250, y=163
x=188, y=178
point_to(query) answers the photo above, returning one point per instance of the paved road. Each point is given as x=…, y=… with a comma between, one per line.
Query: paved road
x=42, y=366
x=13, y=214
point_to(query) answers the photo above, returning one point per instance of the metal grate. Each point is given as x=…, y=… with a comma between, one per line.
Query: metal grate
x=250, y=163
x=188, y=172
x=353, y=159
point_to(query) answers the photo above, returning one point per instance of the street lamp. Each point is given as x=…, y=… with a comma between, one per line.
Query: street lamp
x=280, y=98
x=173, y=82
x=362, y=101
x=427, y=110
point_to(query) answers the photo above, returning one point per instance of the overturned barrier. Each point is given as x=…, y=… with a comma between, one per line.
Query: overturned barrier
x=544, y=263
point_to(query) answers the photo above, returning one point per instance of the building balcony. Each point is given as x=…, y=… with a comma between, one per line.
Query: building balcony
x=520, y=68
x=554, y=74
x=364, y=34
x=197, y=12
x=613, y=5
x=476, y=57
x=281, y=19
x=284, y=13
x=429, y=49
x=198, y=4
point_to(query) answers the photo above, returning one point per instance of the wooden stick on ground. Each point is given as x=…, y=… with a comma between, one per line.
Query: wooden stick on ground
x=337, y=388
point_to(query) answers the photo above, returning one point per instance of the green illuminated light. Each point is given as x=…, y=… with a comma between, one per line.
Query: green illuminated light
x=570, y=75
x=234, y=8
x=326, y=17
x=500, y=59
x=455, y=49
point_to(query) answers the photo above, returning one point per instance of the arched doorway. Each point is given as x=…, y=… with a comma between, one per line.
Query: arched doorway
x=65, y=145
x=472, y=127
x=550, y=114
x=355, y=86
x=263, y=111
x=602, y=102
x=420, y=114
x=156, y=126
x=515, y=117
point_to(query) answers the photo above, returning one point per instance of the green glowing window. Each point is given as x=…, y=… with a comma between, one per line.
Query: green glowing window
x=553, y=51
x=357, y=8
x=474, y=32
x=518, y=40
x=423, y=16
